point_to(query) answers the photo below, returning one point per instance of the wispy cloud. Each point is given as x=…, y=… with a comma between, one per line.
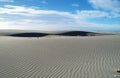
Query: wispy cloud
x=6, y=0
x=31, y=18
x=111, y=5
x=44, y=2
x=75, y=5
x=93, y=14
x=20, y=10
x=29, y=11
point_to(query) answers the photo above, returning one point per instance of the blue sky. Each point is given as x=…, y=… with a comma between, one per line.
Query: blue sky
x=89, y=15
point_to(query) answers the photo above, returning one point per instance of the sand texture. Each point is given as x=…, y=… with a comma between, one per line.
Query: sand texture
x=59, y=57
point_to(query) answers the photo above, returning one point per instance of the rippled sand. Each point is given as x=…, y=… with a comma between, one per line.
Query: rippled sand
x=60, y=57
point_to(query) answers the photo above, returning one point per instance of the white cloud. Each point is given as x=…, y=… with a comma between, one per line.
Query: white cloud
x=1, y=18
x=75, y=5
x=40, y=24
x=37, y=24
x=6, y=0
x=31, y=18
x=113, y=5
x=92, y=14
x=20, y=10
x=30, y=11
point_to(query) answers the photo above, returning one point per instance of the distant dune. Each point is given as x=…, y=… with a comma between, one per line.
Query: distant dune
x=59, y=57
x=47, y=33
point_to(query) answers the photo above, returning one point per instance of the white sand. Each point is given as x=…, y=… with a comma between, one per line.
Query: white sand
x=60, y=57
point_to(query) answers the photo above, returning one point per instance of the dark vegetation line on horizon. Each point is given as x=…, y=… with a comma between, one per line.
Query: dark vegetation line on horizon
x=69, y=33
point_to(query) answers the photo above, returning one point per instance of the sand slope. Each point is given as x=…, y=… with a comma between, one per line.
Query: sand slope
x=59, y=57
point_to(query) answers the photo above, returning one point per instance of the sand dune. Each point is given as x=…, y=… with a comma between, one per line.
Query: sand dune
x=59, y=57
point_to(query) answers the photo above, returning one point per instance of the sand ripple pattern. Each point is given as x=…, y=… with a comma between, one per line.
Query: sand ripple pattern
x=88, y=57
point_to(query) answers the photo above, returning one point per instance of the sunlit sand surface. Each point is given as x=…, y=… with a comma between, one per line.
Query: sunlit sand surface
x=59, y=56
